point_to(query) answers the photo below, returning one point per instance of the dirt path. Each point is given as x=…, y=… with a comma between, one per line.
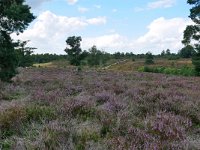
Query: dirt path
x=117, y=63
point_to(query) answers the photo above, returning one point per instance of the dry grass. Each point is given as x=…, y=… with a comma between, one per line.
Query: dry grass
x=134, y=65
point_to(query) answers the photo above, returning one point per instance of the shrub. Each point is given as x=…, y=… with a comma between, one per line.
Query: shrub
x=81, y=139
x=196, y=63
x=54, y=135
x=38, y=113
x=80, y=107
x=149, y=58
x=185, y=71
x=169, y=127
x=11, y=120
x=103, y=97
x=173, y=57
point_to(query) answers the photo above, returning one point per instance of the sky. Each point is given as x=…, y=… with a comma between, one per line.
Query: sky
x=136, y=26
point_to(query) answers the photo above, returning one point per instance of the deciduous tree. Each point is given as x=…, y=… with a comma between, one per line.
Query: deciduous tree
x=187, y=52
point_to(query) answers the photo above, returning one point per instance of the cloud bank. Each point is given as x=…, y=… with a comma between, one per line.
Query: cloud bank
x=50, y=31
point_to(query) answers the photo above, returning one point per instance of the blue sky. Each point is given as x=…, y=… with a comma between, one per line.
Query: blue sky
x=134, y=26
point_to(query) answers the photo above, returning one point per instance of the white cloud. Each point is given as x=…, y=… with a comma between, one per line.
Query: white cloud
x=156, y=4
x=82, y=9
x=162, y=34
x=161, y=4
x=109, y=43
x=97, y=21
x=50, y=31
x=72, y=2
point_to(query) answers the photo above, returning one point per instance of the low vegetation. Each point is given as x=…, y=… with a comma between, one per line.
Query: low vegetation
x=55, y=108
x=184, y=71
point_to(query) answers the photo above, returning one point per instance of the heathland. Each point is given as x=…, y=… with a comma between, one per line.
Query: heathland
x=56, y=106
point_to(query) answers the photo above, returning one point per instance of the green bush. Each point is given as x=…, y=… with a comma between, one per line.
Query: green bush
x=173, y=57
x=185, y=71
x=149, y=58
x=141, y=69
x=196, y=63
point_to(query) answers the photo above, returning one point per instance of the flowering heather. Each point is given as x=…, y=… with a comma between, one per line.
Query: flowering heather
x=58, y=108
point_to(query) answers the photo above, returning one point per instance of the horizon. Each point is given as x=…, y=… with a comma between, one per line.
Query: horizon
x=113, y=26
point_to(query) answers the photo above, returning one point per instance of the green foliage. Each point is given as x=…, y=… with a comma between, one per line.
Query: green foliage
x=45, y=58
x=105, y=129
x=149, y=58
x=53, y=136
x=6, y=144
x=118, y=55
x=187, y=52
x=163, y=53
x=168, y=52
x=192, y=33
x=184, y=71
x=196, y=63
x=15, y=17
x=97, y=57
x=74, y=52
x=81, y=139
x=10, y=119
x=8, y=59
x=38, y=113
x=24, y=54
x=173, y=57
x=84, y=113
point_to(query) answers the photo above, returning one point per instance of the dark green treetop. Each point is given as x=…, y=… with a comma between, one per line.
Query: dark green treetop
x=15, y=16
x=74, y=52
x=192, y=32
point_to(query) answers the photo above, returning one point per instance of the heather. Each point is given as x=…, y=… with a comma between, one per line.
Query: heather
x=62, y=108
